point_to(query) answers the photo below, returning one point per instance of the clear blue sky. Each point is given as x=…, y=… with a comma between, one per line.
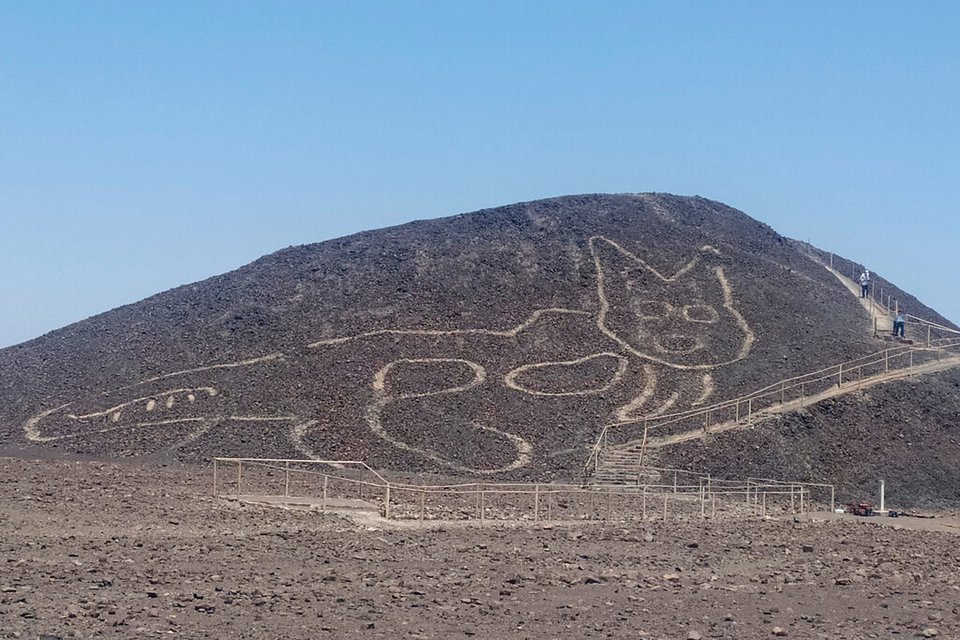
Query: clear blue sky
x=144, y=145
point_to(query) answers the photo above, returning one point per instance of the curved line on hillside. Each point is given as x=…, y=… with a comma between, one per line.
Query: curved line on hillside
x=510, y=379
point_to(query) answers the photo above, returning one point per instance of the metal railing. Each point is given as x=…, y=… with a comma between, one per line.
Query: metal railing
x=790, y=393
x=335, y=487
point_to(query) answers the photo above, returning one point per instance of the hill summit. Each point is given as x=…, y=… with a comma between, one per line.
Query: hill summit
x=495, y=343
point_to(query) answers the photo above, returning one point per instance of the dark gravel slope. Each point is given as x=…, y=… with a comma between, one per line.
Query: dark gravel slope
x=495, y=342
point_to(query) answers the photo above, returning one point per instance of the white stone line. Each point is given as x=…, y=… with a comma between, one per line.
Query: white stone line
x=672, y=400
x=605, y=307
x=506, y=333
x=708, y=388
x=750, y=336
x=510, y=379
x=168, y=394
x=297, y=433
x=379, y=379
x=625, y=413
x=523, y=447
x=34, y=436
x=228, y=365
x=379, y=382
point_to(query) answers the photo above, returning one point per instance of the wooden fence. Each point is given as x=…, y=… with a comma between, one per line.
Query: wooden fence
x=328, y=485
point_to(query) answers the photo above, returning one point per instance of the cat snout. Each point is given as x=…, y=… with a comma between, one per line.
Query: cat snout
x=679, y=344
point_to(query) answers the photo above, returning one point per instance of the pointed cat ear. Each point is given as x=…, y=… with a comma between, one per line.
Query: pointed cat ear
x=610, y=257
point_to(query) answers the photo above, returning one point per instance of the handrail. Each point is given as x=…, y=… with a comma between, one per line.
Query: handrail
x=407, y=502
x=358, y=463
x=887, y=356
x=776, y=386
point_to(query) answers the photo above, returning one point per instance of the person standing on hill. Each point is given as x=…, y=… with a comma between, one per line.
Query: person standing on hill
x=865, y=283
x=899, y=323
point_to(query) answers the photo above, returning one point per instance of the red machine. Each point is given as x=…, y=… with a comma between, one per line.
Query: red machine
x=860, y=509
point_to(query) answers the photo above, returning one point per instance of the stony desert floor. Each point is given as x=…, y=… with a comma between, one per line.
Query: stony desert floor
x=96, y=549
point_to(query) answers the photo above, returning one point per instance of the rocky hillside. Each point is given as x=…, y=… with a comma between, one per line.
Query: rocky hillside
x=493, y=343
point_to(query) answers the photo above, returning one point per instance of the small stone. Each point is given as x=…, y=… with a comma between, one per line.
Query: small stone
x=779, y=631
x=807, y=548
x=694, y=635
x=930, y=632
x=671, y=577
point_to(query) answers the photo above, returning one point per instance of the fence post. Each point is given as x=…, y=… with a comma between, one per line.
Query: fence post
x=674, y=481
x=840, y=376
x=928, y=336
x=643, y=448
x=239, y=475
x=286, y=480
x=386, y=504
x=483, y=505
x=423, y=501
x=643, y=503
x=783, y=384
x=323, y=506
x=700, y=494
x=214, y=477
x=536, y=502
x=737, y=411
x=749, y=410
x=664, y=507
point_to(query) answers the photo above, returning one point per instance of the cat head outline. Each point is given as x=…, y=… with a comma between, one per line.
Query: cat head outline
x=686, y=320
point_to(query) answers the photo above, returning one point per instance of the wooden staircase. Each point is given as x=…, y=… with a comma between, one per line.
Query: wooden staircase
x=621, y=467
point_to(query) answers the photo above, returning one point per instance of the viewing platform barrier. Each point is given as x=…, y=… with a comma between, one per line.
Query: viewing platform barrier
x=339, y=486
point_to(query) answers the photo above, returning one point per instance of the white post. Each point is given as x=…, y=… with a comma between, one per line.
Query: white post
x=882, y=491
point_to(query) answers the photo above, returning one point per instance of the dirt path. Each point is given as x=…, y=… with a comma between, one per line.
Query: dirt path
x=879, y=318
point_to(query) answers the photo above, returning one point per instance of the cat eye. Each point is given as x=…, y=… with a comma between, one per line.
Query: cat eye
x=651, y=309
x=700, y=313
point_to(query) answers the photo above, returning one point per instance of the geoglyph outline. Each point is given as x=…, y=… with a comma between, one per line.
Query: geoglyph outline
x=300, y=426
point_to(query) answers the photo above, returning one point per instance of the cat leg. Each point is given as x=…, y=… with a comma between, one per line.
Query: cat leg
x=429, y=407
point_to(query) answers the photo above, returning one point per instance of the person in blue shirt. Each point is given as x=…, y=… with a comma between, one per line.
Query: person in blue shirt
x=899, y=323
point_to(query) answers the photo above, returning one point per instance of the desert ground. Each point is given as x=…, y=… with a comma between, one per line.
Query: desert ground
x=95, y=549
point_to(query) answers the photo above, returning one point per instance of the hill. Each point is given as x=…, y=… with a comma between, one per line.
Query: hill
x=495, y=343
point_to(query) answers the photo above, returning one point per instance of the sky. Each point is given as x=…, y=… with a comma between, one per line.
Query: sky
x=145, y=145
